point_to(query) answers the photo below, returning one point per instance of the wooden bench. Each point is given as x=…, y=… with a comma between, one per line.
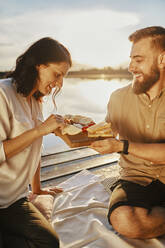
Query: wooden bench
x=57, y=167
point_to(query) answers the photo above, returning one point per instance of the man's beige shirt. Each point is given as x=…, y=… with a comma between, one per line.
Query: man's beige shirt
x=16, y=117
x=138, y=119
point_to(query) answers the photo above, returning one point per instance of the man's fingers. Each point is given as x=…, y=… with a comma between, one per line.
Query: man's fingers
x=96, y=144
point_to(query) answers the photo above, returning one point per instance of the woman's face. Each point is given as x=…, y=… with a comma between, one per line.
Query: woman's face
x=50, y=76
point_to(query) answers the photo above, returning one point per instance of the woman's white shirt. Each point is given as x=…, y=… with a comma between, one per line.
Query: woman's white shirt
x=16, y=117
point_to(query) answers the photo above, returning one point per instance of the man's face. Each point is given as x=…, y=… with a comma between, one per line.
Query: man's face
x=143, y=66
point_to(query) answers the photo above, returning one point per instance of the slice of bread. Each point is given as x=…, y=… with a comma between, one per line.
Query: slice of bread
x=99, y=126
x=102, y=129
x=71, y=130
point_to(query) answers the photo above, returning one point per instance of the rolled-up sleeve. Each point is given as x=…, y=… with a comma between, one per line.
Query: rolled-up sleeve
x=111, y=108
x=5, y=126
x=2, y=153
x=107, y=118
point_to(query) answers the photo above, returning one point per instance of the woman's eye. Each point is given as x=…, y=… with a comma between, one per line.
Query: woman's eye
x=57, y=75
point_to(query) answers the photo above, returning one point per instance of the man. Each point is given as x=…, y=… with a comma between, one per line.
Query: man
x=137, y=114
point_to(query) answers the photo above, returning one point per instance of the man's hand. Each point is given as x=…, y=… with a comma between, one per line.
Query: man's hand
x=106, y=146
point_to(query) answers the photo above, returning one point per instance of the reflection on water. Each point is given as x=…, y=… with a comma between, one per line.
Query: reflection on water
x=80, y=96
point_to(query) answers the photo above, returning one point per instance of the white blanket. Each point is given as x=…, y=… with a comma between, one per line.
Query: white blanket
x=80, y=217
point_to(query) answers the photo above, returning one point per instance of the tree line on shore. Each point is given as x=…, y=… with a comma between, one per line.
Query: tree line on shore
x=93, y=71
x=106, y=70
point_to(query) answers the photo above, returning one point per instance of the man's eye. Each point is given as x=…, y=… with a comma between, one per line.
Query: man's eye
x=138, y=60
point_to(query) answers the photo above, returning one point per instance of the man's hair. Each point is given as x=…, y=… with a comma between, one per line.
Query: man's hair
x=156, y=33
x=43, y=51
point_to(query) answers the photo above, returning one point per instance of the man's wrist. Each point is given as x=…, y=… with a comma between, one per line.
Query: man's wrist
x=125, y=147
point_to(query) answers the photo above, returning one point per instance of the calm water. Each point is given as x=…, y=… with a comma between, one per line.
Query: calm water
x=79, y=96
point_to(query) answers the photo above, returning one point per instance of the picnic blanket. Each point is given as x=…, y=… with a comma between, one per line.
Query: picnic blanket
x=79, y=216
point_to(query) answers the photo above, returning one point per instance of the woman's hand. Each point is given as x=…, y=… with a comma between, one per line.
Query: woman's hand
x=52, y=191
x=51, y=124
x=109, y=145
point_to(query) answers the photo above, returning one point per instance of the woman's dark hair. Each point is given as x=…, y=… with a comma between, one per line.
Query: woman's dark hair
x=43, y=51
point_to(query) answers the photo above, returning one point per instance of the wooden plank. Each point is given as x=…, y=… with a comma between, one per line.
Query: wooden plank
x=62, y=157
x=76, y=166
x=45, y=155
x=104, y=171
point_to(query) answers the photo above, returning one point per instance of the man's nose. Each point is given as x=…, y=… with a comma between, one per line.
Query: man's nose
x=131, y=67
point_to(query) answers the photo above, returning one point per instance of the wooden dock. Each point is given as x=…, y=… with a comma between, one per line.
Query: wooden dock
x=57, y=167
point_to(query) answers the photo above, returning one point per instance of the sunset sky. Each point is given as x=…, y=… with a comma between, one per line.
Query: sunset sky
x=95, y=32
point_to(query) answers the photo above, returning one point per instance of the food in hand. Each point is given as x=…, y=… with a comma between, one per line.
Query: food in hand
x=81, y=124
x=71, y=130
x=86, y=125
x=78, y=119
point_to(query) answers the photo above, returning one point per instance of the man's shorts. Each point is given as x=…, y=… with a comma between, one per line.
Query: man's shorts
x=126, y=193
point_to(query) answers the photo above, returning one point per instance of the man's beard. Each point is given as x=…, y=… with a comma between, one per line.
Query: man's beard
x=148, y=81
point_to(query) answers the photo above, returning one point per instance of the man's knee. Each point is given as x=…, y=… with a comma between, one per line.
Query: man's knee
x=124, y=222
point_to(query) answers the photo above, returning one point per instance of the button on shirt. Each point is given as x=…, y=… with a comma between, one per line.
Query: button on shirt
x=138, y=119
x=17, y=117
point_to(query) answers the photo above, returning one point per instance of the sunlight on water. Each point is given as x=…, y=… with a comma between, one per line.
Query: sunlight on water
x=79, y=96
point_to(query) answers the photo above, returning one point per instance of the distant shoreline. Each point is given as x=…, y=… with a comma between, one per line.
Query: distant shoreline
x=99, y=76
x=83, y=75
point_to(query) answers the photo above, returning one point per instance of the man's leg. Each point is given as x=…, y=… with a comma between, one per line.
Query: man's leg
x=137, y=222
x=138, y=211
x=24, y=220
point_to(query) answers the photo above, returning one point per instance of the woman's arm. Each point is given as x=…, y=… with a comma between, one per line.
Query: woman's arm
x=36, y=185
x=19, y=143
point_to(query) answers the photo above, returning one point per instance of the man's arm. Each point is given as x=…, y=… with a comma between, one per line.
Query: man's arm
x=154, y=152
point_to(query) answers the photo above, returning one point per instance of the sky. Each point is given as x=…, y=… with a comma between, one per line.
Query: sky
x=95, y=31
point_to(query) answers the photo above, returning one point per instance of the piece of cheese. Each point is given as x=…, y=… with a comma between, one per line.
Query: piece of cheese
x=71, y=130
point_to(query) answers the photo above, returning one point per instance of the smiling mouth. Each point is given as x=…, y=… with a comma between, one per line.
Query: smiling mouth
x=137, y=75
x=50, y=87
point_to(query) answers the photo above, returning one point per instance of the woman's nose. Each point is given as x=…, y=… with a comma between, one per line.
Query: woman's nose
x=59, y=83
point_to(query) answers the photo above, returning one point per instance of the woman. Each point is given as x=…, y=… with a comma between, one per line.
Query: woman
x=40, y=69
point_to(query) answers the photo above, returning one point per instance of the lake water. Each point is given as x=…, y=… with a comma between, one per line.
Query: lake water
x=79, y=96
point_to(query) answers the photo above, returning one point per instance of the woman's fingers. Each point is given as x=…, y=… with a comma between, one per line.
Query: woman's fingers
x=57, y=190
x=52, y=191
